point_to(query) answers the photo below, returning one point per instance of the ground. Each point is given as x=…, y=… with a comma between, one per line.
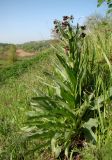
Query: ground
x=22, y=53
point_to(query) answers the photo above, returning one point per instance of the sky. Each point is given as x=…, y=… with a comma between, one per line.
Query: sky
x=32, y=20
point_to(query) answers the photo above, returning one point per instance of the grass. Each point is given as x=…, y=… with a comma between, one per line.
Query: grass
x=14, y=102
x=3, y=64
x=19, y=67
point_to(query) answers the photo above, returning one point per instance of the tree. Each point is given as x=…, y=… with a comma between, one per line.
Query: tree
x=97, y=21
x=109, y=4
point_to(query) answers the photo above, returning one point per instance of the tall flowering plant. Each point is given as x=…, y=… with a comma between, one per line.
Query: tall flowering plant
x=71, y=114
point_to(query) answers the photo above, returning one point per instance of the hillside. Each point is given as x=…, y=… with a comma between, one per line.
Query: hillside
x=38, y=46
x=21, y=52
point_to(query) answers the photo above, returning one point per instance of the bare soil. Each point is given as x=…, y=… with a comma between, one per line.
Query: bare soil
x=22, y=53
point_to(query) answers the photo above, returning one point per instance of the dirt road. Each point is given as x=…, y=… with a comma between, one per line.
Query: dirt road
x=22, y=53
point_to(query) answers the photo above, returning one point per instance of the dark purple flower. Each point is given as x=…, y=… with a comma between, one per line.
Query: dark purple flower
x=71, y=17
x=57, y=30
x=83, y=35
x=65, y=24
x=56, y=27
x=83, y=27
x=65, y=18
x=55, y=21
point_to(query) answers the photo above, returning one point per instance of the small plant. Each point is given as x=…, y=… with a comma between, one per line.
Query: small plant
x=72, y=113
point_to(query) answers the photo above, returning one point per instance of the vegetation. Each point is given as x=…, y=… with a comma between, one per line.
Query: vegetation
x=78, y=102
x=70, y=114
x=99, y=23
x=36, y=46
x=9, y=52
x=14, y=102
x=109, y=4
x=12, y=53
x=3, y=47
x=18, y=68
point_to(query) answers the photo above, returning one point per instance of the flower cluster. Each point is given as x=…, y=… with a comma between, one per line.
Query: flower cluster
x=83, y=34
x=65, y=31
x=64, y=24
x=83, y=27
x=56, y=29
x=66, y=18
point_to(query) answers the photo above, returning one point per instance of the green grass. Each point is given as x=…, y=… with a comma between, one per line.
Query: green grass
x=19, y=67
x=3, y=64
x=14, y=102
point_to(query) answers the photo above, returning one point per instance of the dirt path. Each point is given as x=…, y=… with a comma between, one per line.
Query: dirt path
x=22, y=53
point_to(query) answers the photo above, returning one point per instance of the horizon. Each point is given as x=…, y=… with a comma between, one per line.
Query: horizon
x=26, y=21
x=30, y=41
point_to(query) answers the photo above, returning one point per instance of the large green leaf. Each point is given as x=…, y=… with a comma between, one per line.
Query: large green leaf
x=69, y=70
x=87, y=126
x=56, y=149
x=100, y=2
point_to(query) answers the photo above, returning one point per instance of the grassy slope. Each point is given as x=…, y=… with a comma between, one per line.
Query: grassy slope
x=14, y=101
x=20, y=67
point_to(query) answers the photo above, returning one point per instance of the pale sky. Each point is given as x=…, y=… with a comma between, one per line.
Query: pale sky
x=32, y=20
